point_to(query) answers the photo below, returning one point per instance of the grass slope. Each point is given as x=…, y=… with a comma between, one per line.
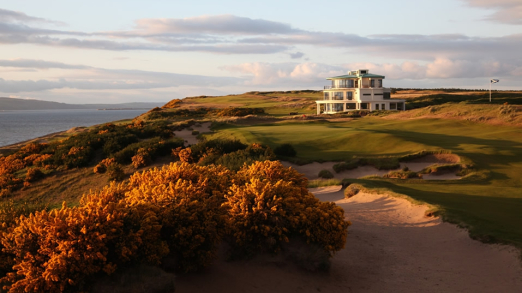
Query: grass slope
x=489, y=208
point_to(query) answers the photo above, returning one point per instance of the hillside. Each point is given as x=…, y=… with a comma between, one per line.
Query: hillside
x=208, y=174
x=10, y=104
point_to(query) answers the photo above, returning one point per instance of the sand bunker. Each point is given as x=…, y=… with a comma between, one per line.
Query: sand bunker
x=391, y=247
x=311, y=171
x=188, y=137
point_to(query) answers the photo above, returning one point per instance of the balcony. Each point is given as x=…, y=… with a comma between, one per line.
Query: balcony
x=329, y=87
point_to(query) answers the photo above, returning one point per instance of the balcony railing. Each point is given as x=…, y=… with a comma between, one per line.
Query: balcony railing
x=328, y=87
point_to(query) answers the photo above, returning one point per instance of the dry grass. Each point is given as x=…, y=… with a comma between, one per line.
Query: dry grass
x=490, y=114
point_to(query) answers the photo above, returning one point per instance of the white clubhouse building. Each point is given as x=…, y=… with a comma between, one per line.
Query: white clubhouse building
x=358, y=90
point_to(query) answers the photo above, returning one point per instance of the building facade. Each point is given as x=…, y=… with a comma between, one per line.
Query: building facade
x=358, y=90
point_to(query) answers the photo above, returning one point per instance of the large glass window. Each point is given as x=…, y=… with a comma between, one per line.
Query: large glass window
x=364, y=106
x=351, y=106
x=393, y=106
x=379, y=82
x=349, y=95
x=372, y=83
x=350, y=83
x=337, y=107
x=338, y=96
x=326, y=95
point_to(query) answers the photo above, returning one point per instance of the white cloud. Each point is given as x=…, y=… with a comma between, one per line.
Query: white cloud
x=504, y=11
x=211, y=24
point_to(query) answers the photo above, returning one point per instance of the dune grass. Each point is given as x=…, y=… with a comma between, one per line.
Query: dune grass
x=488, y=206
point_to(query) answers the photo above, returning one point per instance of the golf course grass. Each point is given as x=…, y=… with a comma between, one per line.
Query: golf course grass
x=489, y=207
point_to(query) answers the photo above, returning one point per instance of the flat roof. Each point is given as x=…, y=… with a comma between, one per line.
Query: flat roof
x=357, y=76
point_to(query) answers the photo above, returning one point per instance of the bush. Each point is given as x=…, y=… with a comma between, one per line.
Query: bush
x=141, y=159
x=350, y=165
x=325, y=174
x=351, y=190
x=33, y=174
x=402, y=174
x=181, y=211
x=285, y=150
x=115, y=172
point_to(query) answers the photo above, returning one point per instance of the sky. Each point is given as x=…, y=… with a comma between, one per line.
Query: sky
x=154, y=51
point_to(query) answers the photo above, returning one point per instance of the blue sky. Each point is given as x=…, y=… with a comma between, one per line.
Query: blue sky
x=124, y=51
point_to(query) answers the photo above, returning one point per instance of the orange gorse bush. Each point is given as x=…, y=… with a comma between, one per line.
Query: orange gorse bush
x=182, y=211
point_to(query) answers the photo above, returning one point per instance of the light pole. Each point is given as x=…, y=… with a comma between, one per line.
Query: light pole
x=490, y=82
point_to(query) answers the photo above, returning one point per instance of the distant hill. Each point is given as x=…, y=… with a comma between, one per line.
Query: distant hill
x=21, y=104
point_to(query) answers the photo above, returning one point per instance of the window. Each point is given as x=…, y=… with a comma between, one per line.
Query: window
x=356, y=83
x=377, y=94
x=364, y=106
x=399, y=106
x=338, y=96
x=326, y=95
x=383, y=107
x=364, y=71
x=337, y=107
x=350, y=83
x=386, y=96
x=393, y=106
x=376, y=106
x=367, y=94
x=349, y=95
x=372, y=83
x=379, y=83
x=351, y=106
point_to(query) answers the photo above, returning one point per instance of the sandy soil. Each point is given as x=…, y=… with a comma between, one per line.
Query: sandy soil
x=188, y=137
x=391, y=247
x=311, y=171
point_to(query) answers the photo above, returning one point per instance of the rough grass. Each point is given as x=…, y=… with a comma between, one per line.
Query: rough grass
x=487, y=202
x=323, y=182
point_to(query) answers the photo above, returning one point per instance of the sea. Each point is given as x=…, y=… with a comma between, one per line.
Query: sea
x=22, y=125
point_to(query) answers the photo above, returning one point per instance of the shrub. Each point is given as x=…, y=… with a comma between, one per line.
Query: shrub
x=285, y=150
x=235, y=160
x=185, y=155
x=325, y=174
x=100, y=169
x=33, y=174
x=349, y=165
x=401, y=174
x=115, y=172
x=141, y=159
x=351, y=190
x=181, y=211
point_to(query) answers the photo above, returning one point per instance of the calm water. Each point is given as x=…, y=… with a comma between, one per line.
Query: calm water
x=16, y=126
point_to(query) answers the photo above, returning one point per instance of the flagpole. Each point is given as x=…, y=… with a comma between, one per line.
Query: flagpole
x=490, y=91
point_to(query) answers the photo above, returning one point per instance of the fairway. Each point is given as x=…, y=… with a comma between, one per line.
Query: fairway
x=490, y=207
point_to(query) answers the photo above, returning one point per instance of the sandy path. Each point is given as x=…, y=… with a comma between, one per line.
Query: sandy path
x=188, y=137
x=391, y=247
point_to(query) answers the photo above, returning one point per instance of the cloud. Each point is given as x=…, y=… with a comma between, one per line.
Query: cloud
x=92, y=78
x=40, y=64
x=212, y=24
x=289, y=74
x=229, y=34
x=314, y=74
x=296, y=55
x=15, y=16
x=505, y=11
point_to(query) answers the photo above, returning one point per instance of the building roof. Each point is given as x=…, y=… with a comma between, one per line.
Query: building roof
x=357, y=76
